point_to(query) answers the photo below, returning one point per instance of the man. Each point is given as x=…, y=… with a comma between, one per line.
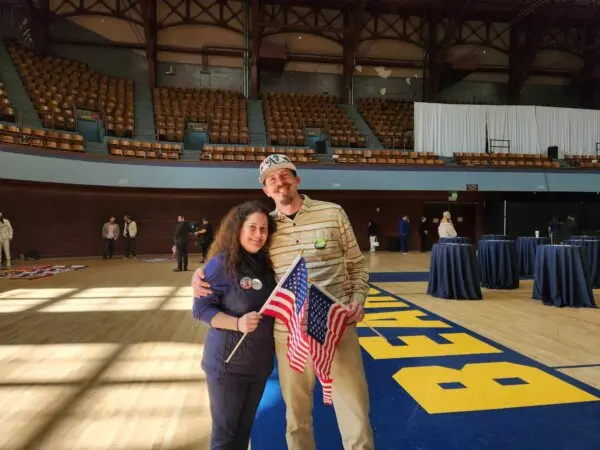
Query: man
x=554, y=230
x=204, y=237
x=404, y=234
x=334, y=262
x=182, y=231
x=110, y=233
x=6, y=235
x=129, y=232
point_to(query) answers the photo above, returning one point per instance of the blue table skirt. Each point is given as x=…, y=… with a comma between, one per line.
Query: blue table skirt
x=527, y=247
x=498, y=264
x=586, y=238
x=453, y=272
x=562, y=276
x=455, y=240
x=592, y=248
x=493, y=237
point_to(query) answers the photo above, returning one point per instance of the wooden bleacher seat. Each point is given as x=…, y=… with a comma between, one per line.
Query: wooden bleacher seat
x=392, y=121
x=288, y=115
x=58, y=86
x=223, y=112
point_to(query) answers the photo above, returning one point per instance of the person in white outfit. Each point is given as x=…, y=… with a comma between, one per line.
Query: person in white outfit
x=373, y=232
x=6, y=235
x=446, y=228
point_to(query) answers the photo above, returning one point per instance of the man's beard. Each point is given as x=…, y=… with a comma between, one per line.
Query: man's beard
x=287, y=199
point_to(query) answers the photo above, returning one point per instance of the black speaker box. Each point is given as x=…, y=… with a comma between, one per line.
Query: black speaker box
x=553, y=152
x=321, y=147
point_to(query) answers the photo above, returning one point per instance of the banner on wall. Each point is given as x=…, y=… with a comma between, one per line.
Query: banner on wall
x=197, y=126
x=87, y=115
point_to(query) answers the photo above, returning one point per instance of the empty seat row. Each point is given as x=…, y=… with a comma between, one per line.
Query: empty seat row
x=41, y=138
x=124, y=144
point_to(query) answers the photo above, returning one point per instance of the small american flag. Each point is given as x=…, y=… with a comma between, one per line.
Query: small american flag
x=287, y=303
x=327, y=321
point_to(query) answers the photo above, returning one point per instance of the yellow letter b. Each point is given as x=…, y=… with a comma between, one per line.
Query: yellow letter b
x=486, y=386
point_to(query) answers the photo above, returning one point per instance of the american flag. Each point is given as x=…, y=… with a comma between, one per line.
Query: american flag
x=287, y=303
x=327, y=321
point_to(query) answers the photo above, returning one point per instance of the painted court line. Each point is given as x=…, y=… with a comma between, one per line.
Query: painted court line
x=581, y=366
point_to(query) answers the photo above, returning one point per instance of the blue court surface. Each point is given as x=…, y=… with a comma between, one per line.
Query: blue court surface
x=442, y=387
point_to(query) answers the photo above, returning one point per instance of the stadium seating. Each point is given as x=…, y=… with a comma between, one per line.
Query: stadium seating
x=233, y=153
x=397, y=157
x=58, y=86
x=287, y=116
x=504, y=160
x=7, y=112
x=222, y=113
x=139, y=149
x=583, y=161
x=50, y=140
x=392, y=121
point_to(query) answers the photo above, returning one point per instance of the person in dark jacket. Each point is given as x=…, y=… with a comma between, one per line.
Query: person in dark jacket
x=242, y=280
x=204, y=237
x=182, y=231
x=404, y=234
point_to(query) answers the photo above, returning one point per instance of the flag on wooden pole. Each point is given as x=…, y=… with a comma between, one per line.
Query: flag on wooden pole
x=327, y=320
x=287, y=303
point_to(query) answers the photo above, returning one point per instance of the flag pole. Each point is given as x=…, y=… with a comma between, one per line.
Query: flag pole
x=266, y=303
x=343, y=305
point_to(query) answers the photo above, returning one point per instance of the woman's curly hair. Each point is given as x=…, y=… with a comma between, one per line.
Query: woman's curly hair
x=227, y=239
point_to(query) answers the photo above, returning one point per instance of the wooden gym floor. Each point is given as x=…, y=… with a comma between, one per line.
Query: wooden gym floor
x=109, y=356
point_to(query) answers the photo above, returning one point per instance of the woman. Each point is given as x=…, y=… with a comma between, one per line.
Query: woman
x=373, y=232
x=241, y=279
x=446, y=228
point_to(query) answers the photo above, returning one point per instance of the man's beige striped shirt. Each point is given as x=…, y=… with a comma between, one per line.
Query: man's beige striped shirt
x=339, y=259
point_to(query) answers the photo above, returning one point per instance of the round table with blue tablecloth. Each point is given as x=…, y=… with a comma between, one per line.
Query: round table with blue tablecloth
x=527, y=247
x=586, y=238
x=498, y=264
x=453, y=272
x=562, y=276
x=455, y=240
x=593, y=256
x=493, y=237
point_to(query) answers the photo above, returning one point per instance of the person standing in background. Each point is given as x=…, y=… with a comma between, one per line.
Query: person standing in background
x=554, y=230
x=423, y=234
x=568, y=229
x=182, y=231
x=110, y=233
x=373, y=232
x=204, y=237
x=6, y=235
x=446, y=228
x=404, y=234
x=129, y=233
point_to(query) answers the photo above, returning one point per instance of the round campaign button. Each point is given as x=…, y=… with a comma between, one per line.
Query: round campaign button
x=257, y=284
x=246, y=283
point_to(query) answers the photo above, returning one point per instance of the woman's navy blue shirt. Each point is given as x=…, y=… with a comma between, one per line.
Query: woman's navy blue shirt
x=255, y=357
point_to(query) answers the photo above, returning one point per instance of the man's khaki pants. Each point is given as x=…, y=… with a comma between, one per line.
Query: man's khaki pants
x=349, y=393
x=5, y=245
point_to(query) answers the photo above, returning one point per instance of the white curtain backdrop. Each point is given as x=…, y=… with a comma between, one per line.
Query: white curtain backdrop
x=585, y=132
x=574, y=131
x=555, y=127
x=516, y=124
x=445, y=129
